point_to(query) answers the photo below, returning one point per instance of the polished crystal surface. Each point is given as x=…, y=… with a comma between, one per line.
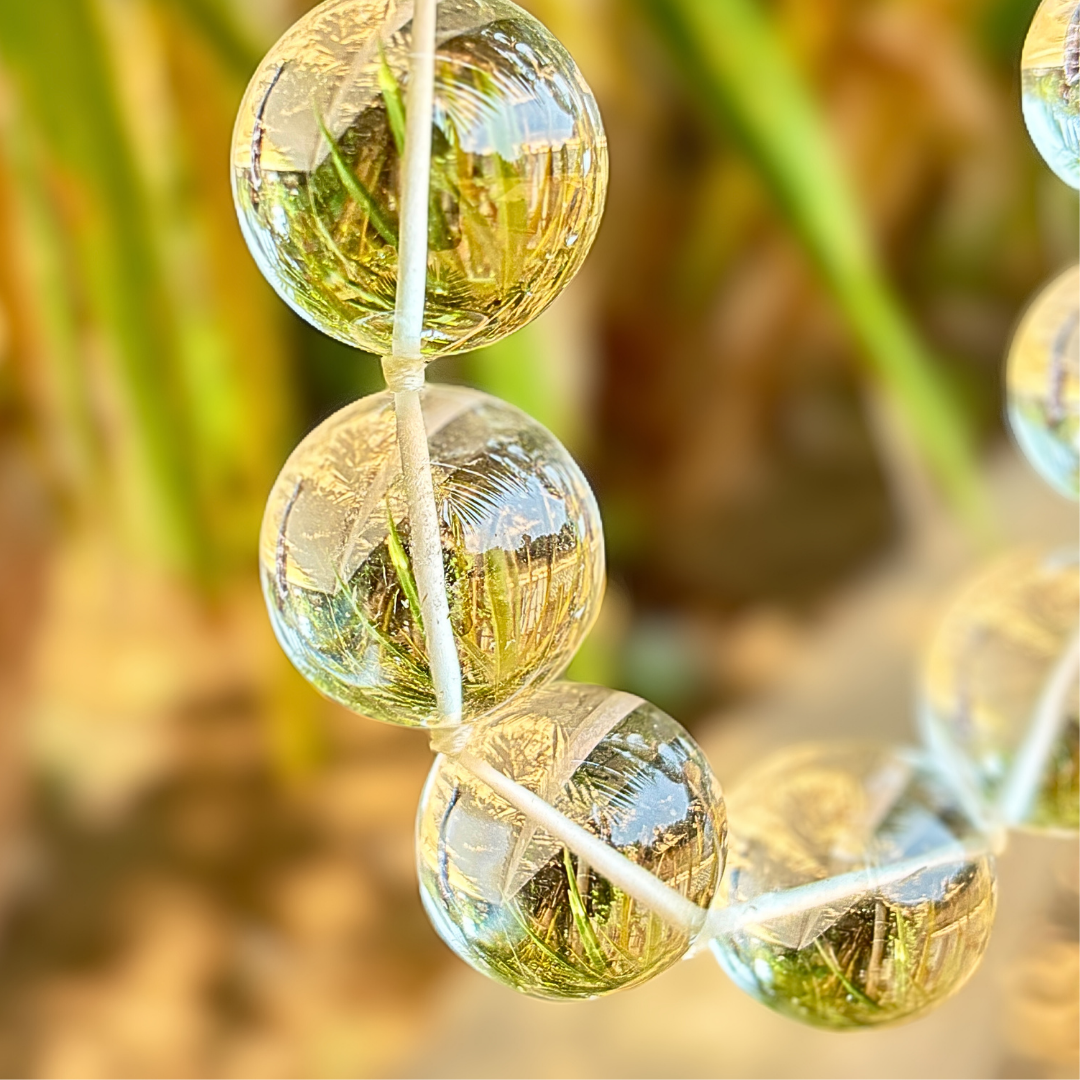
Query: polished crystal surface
x=511, y=900
x=1043, y=383
x=1050, y=81
x=522, y=547
x=517, y=182
x=986, y=670
x=884, y=954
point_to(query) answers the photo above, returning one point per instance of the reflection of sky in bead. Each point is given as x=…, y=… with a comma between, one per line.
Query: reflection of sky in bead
x=914, y=831
x=650, y=803
x=522, y=120
x=1055, y=460
x=500, y=507
x=662, y=804
x=534, y=513
x=1053, y=124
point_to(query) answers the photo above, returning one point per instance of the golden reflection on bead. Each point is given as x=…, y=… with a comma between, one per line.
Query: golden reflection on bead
x=517, y=182
x=511, y=900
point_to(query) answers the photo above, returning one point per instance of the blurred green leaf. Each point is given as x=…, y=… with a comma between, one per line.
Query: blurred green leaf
x=217, y=26
x=515, y=369
x=59, y=65
x=48, y=271
x=746, y=82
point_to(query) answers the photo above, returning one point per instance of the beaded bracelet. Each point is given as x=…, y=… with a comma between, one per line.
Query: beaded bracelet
x=419, y=179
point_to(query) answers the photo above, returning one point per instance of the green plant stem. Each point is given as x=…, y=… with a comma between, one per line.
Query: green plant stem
x=733, y=57
x=360, y=194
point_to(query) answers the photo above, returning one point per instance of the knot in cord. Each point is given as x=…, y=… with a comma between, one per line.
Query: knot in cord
x=403, y=373
x=450, y=740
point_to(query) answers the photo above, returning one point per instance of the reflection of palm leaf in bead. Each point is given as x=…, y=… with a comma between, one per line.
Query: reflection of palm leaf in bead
x=476, y=490
x=512, y=899
x=517, y=177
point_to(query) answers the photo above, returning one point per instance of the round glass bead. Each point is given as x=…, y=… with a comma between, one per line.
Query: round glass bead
x=985, y=673
x=516, y=904
x=1050, y=86
x=522, y=547
x=1042, y=383
x=517, y=181
x=886, y=952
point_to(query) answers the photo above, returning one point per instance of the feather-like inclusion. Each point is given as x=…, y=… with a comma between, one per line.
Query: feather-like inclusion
x=517, y=183
x=522, y=548
x=884, y=954
x=511, y=900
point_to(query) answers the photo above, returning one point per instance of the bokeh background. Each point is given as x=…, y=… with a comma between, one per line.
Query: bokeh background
x=780, y=368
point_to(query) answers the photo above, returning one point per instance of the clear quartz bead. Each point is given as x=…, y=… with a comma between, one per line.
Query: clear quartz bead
x=1042, y=383
x=1050, y=86
x=522, y=548
x=986, y=672
x=882, y=954
x=517, y=182
x=517, y=905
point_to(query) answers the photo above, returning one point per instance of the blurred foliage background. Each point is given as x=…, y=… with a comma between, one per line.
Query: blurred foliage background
x=824, y=217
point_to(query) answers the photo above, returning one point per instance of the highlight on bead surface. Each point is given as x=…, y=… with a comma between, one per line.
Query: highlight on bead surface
x=517, y=182
x=522, y=546
x=1043, y=383
x=515, y=903
x=986, y=678
x=1050, y=81
x=884, y=954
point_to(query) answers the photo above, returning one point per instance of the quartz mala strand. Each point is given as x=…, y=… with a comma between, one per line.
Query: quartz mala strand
x=422, y=179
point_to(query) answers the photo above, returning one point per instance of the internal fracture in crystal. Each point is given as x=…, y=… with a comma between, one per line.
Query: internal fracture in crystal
x=512, y=900
x=522, y=547
x=517, y=182
x=884, y=954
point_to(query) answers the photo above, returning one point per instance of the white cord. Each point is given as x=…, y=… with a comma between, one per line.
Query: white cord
x=1029, y=765
x=404, y=370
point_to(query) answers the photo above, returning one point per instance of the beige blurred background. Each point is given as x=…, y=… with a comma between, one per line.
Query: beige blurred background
x=207, y=870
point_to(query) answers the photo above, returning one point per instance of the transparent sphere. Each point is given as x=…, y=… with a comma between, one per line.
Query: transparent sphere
x=985, y=672
x=522, y=548
x=1050, y=86
x=886, y=953
x=1042, y=384
x=514, y=903
x=517, y=182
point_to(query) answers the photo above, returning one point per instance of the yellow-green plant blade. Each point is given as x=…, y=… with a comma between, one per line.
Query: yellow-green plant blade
x=360, y=194
x=46, y=268
x=217, y=26
x=59, y=66
x=745, y=80
x=395, y=104
x=399, y=559
x=581, y=917
x=518, y=369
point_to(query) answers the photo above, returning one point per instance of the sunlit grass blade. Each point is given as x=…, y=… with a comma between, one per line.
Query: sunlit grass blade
x=399, y=559
x=77, y=438
x=360, y=194
x=744, y=79
x=581, y=917
x=392, y=99
x=59, y=65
